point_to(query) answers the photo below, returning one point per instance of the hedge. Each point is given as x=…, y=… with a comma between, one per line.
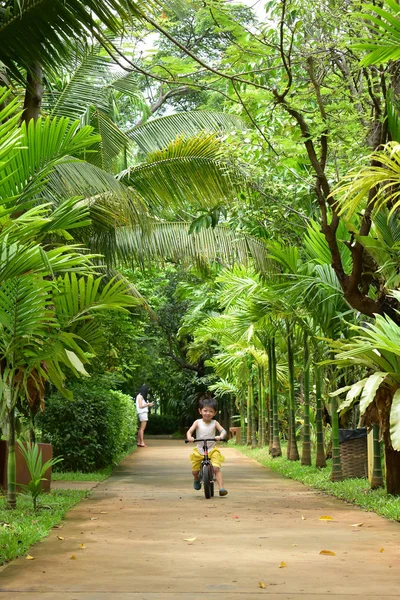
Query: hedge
x=161, y=424
x=92, y=430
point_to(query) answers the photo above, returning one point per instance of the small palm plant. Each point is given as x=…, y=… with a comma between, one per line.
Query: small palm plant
x=37, y=469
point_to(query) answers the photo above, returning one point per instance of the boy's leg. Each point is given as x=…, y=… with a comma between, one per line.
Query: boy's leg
x=220, y=481
x=196, y=482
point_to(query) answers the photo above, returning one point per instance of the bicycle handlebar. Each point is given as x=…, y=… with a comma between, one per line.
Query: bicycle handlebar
x=206, y=440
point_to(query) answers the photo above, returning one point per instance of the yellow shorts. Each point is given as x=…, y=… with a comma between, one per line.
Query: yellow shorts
x=215, y=456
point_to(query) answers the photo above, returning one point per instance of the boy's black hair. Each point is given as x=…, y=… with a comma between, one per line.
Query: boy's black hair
x=211, y=402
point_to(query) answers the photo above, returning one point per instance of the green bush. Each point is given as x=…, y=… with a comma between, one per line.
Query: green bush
x=92, y=430
x=162, y=424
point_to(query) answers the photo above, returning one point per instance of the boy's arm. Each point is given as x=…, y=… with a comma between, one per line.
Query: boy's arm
x=222, y=432
x=190, y=431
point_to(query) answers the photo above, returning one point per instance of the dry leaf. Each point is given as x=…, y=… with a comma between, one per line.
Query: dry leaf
x=327, y=553
x=29, y=557
x=73, y=557
x=189, y=539
x=294, y=544
x=93, y=518
x=60, y=537
x=283, y=564
x=358, y=525
x=381, y=549
x=303, y=518
x=325, y=518
x=262, y=585
x=82, y=546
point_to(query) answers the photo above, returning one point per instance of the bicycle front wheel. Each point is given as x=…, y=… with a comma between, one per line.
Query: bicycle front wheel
x=208, y=482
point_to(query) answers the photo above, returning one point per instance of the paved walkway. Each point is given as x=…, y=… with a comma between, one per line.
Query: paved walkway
x=145, y=534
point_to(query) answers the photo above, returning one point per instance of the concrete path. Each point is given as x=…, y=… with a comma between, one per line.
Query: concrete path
x=145, y=534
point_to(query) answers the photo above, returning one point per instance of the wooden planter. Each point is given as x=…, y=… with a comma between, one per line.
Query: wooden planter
x=235, y=432
x=23, y=476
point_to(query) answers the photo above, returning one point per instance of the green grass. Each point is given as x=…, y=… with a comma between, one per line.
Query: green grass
x=79, y=476
x=22, y=527
x=354, y=491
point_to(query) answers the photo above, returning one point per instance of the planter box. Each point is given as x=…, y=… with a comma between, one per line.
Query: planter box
x=235, y=432
x=23, y=476
x=353, y=452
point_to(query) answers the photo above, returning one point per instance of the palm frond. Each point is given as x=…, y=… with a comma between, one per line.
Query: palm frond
x=385, y=27
x=352, y=193
x=46, y=142
x=317, y=246
x=113, y=142
x=186, y=175
x=86, y=86
x=52, y=26
x=158, y=133
x=172, y=240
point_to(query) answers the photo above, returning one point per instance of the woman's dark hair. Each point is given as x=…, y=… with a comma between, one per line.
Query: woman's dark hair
x=143, y=391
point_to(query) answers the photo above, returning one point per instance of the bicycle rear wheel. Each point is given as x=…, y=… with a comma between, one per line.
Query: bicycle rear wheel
x=208, y=483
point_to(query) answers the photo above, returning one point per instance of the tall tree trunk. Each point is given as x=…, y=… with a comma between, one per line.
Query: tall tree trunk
x=336, y=474
x=320, y=457
x=242, y=412
x=377, y=478
x=33, y=94
x=293, y=453
x=262, y=408
x=392, y=464
x=253, y=439
x=270, y=400
x=11, y=461
x=306, y=451
x=276, y=444
x=248, y=415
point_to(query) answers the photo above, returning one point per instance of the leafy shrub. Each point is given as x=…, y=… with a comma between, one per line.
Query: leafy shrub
x=93, y=429
x=162, y=424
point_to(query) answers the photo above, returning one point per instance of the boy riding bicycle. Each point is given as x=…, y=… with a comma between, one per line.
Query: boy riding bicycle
x=206, y=427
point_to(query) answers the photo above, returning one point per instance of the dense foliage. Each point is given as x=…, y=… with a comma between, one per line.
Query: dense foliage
x=91, y=430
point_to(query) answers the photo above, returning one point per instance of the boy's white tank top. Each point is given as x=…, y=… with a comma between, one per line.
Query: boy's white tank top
x=205, y=430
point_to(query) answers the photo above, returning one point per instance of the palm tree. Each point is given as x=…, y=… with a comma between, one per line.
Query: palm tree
x=376, y=348
x=49, y=291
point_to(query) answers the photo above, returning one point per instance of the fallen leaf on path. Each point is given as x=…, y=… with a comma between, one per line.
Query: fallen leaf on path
x=325, y=518
x=262, y=585
x=73, y=557
x=94, y=519
x=294, y=544
x=82, y=546
x=381, y=549
x=29, y=557
x=283, y=564
x=327, y=553
x=60, y=537
x=303, y=518
x=358, y=525
x=189, y=539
